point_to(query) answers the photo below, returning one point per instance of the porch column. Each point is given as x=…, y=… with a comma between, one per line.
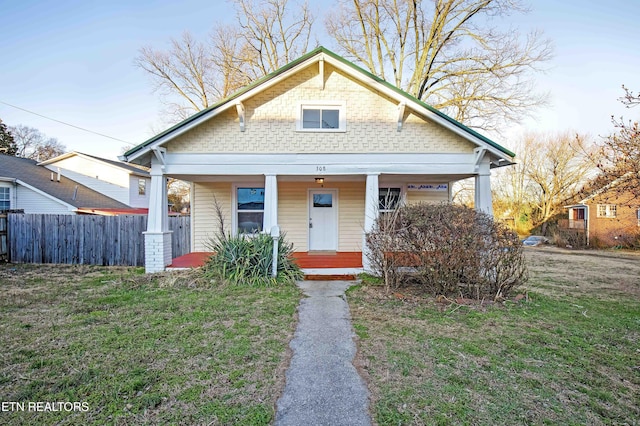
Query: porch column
x=370, y=215
x=270, y=203
x=157, y=238
x=483, y=201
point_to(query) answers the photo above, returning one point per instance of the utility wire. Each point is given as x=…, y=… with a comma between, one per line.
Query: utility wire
x=66, y=124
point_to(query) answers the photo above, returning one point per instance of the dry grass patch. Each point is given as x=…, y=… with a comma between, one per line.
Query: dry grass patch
x=567, y=354
x=140, y=349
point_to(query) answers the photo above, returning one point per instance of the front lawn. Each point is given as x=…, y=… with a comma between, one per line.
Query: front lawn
x=567, y=354
x=139, y=350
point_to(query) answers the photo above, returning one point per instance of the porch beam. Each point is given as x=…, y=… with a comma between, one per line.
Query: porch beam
x=331, y=164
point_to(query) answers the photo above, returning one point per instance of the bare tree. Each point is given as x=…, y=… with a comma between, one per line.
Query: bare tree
x=447, y=53
x=34, y=144
x=192, y=75
x=556, y=170
x=620, y=154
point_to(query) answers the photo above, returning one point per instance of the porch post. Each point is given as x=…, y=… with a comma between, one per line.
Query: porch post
x=483, y=201
x=157, y=238
x=270, y=202
x=370, y=215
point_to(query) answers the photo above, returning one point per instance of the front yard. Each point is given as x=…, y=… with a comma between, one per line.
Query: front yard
x=163, y=350
x=569, y=353
x=136, y=350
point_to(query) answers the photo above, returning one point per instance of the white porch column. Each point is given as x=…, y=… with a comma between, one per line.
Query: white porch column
x=270, y=202
x=483, y=201
x=157, y=238
x=370, y=215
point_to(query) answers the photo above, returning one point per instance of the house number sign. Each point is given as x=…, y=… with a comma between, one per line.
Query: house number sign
x=428, y=187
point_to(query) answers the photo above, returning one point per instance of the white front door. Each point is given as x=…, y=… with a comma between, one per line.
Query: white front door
x=323, y=220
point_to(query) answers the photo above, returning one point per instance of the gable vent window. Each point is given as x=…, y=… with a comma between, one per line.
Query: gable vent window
x=321, y=117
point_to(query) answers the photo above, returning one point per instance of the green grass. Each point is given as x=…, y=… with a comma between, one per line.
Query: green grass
x=141, y=350
x=552, y=359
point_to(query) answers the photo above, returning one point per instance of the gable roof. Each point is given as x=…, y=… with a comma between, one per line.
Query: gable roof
x=29, y=173
x=128, y=167
x=352, y=69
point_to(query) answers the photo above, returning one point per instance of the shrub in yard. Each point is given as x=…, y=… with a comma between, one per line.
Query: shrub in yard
x=247, y=260
x=447, y=249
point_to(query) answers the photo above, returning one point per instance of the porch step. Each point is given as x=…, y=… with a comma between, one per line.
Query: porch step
x=331, y=274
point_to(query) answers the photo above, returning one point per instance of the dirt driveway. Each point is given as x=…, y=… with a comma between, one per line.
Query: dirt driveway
x=562, y=271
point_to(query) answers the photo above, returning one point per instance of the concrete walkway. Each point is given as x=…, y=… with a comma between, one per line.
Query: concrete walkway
x=322, y=385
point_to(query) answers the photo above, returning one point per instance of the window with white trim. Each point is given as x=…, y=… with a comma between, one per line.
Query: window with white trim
x=388, y=199
x=249, y=210
x=321, y=116
x=5, y=198
x=607, y=210
x=142, y=186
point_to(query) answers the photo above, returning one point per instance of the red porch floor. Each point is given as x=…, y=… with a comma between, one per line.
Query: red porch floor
x=305, y=260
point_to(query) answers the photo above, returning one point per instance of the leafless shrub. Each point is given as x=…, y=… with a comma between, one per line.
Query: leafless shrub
x=447, y=249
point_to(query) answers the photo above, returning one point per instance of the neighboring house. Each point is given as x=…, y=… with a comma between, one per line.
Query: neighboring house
x=124, y=182
x=24, y=185
x=316, y=148
x=608, y=216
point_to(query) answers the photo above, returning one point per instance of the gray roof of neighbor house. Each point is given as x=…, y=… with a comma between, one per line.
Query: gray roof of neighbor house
x=39, y=177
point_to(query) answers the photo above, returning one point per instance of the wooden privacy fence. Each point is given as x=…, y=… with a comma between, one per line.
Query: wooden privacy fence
x=87, y=239
x=4, y=251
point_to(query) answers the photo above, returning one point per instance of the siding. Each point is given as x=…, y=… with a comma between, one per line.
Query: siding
x=93, y=169
x=414, y=197
x=293, y=211
x=119, y=193
x=135, y=199
x=204, y=219
x=32, y=202
x=271, y=123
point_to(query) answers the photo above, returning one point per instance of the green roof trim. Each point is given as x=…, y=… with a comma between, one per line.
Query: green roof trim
x=295, y=63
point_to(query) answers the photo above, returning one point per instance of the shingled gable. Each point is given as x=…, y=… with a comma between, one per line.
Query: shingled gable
x=499, y=155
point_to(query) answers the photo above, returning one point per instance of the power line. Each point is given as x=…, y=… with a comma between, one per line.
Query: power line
x=66, y=124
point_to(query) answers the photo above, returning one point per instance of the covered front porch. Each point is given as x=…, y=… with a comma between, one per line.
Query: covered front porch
x=326, y=208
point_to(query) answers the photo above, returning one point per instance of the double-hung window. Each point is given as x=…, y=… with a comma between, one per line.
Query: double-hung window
x=142, y=187
x=5, y=200
x=388, y=199
x=249, y=209
x=321, y=116
x=607, y=210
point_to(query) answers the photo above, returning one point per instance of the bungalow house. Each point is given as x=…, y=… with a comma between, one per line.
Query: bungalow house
x=127, y=183
x=608, y=217
x=27, y=186
x=315, y=148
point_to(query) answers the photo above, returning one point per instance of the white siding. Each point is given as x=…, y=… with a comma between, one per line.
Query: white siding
x=135, y=199
x=92, y=168
x=33, y=202
x=120, y=193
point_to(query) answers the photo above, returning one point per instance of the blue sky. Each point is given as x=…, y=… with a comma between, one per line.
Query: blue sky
x=74, y=61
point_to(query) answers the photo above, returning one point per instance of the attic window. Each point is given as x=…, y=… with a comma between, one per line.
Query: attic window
x=321, y=116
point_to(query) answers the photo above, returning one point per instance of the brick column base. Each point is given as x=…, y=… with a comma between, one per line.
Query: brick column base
x=157, y=251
